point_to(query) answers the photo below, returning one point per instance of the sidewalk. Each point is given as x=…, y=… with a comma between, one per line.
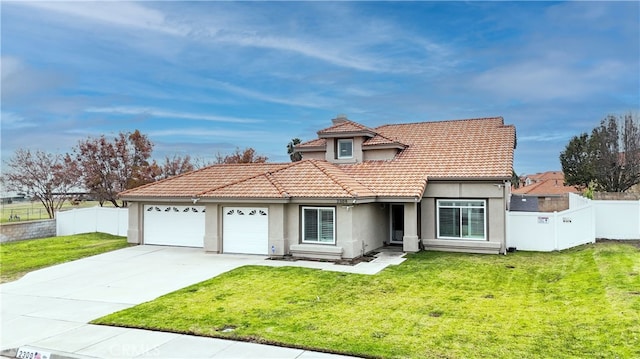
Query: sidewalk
x=49, y=309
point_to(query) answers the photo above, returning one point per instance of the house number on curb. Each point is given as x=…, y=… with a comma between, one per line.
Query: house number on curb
x=27, y=353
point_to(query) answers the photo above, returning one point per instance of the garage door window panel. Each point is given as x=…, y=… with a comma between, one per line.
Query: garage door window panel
x=318, y=225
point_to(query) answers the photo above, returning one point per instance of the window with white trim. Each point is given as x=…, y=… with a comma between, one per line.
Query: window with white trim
x=345, y=148
x=462, y=219
x=318, y=225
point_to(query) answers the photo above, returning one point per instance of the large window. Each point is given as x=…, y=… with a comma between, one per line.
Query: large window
x=462, y=219
x=345, y=148
x=318, y=225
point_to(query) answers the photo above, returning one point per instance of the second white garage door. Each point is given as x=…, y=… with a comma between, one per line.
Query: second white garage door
x=245, y=230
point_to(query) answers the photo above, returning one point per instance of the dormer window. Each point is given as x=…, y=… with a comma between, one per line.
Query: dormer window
x=345, y=149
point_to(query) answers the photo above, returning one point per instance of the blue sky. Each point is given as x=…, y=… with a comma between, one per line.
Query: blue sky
x=205, y=77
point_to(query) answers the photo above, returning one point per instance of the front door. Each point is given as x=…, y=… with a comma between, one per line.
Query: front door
x=397, y=223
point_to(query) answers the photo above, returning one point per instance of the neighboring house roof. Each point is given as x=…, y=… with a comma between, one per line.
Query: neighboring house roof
x=547, y=183
x=456, y=150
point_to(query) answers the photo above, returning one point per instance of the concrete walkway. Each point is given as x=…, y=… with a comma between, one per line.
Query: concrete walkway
x=49, y=309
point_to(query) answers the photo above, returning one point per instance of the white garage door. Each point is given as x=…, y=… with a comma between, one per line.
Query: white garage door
x=173, y=225
x=245, y=230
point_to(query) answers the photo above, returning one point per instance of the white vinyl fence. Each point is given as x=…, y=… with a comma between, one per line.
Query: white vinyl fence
x=582, y=223
x=95, y=219
x=617, y=219
x=545, y=231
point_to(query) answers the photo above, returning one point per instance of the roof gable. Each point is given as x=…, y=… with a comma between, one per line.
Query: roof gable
x=343, y=127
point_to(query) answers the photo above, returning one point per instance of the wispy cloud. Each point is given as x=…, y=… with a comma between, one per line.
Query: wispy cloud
x=121, y=14
x=11, y=121
x=355, y=49
x=547, y=137
x=154, y=112
x=206, y=133
x=306, y=100
x=19, y=79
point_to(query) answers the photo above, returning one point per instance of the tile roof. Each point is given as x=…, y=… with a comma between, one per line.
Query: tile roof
x=345, y=126
x=460, y=149
x=379, y=140
x=303, y=179
x=546, y=184
x=319, y=142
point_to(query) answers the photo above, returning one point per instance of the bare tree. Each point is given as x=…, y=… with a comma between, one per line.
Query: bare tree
x=110, y=167
x=45, y=176
x=176, y=165
x=248, y=155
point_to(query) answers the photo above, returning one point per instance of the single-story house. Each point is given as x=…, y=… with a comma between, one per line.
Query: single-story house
x=435, y=185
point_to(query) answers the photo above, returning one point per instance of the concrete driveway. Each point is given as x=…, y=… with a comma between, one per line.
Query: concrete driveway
x=49, y=309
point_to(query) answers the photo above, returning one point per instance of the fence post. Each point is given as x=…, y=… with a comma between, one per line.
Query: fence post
x=555, y=230
x=592, y=208
x=507, y=233
x=638, y=219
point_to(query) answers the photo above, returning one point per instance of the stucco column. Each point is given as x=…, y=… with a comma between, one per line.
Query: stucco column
x=211, y=228
x=135, y=223
x=277, y=230
x=351, y=247
x=410, y=241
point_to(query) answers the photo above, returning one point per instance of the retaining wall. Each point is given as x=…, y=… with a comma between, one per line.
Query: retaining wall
x=10, y=232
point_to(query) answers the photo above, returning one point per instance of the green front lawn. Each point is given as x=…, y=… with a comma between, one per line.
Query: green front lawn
x=579, y=303
x=19, y=258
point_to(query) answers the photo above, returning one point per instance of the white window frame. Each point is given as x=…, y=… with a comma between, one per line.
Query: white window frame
x=461, y=237
x=344, y=140
x=333, y=234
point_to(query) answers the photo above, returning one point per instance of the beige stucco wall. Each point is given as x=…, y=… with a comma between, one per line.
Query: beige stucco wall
x=359, y=228
x=493, y=192
x=330, y=155
x=320, y=155
x=380, y=154
x=212, y=229
x=370, y=227
x=278, y=234
x=134, y=232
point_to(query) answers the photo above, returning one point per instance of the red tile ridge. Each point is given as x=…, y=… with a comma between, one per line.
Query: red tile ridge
x=276, y=183
x=336, y=180
x=393, y=141
x=244, y=179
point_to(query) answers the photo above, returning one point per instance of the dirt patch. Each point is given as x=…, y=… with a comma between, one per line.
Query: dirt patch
x=350, y=262
x=633, y=242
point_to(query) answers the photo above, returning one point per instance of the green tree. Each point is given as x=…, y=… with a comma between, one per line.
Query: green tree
x=577, y=161
x=609, y=159
x=295, y=156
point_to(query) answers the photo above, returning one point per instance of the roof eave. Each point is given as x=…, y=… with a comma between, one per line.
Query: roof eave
x=346, y=134
x=384, y=146
x=460, y=178
x=159, y=198
x=310, y=148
